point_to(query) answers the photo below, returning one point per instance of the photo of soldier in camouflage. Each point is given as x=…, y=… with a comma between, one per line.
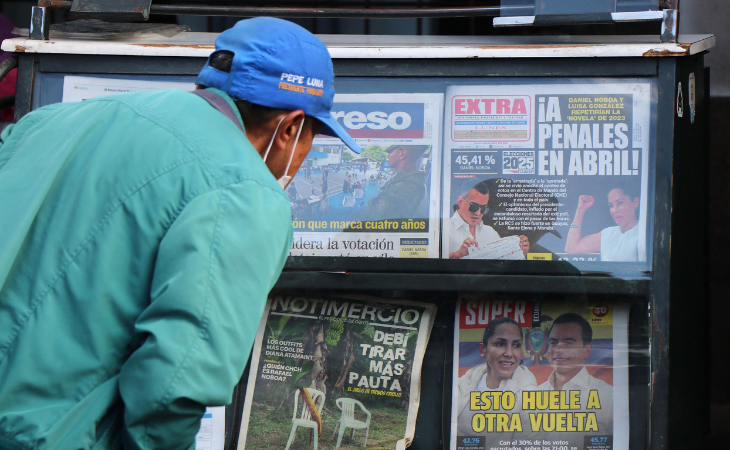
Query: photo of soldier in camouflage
x=405, y=195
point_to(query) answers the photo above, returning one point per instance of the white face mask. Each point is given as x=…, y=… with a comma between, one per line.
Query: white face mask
x=285, y=179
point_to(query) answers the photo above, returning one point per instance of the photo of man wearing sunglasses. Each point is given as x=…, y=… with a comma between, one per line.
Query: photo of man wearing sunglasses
x=467, y=229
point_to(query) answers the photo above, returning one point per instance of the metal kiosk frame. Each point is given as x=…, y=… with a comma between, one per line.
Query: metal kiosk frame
x=664, y=413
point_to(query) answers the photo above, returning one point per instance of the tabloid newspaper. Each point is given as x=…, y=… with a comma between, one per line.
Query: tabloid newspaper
x=383, y=202
x=551, y=375
x=342, y=371
x=562, y=169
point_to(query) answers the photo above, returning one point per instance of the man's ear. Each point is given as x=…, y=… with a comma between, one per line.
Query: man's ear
x=288, y=129
x=402, y=154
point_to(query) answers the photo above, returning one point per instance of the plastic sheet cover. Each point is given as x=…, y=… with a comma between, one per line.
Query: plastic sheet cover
x=532, y=375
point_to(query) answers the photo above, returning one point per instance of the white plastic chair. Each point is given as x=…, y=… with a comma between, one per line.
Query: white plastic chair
x=348, y=201
x=305, y=417
x=347, y=420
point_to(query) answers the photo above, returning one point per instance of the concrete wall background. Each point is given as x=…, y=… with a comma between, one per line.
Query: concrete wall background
x=710, y=17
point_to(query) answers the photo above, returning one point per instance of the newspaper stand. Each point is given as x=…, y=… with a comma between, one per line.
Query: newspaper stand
x=668, y=396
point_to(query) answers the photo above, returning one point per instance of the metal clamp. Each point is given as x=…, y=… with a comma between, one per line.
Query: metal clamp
x=117, y=10
x=670, y=25
x=39, y=23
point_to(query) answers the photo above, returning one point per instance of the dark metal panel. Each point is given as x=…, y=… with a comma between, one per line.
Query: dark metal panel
x=140, y=9
x=434, y=411
x=688, y=418
x=639, y=374
x=574, y=19
x=628, y=271
x=679, y=397
x=488, y=67
x=120, y=10
x=498, y=284
x=518, y=67
x=344, y=13
x=125, y=65
x=24, y=87
x=662, y=228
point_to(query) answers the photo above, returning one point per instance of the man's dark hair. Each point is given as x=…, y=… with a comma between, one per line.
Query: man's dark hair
x=586, y=330
x=253, y=115
x=482, y=187
x=492, y=327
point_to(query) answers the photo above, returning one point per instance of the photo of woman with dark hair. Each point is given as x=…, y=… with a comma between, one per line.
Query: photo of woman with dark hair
x=618, y=243
x=501, y=349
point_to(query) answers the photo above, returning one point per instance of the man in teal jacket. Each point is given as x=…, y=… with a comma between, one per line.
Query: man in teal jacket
x=139, y=237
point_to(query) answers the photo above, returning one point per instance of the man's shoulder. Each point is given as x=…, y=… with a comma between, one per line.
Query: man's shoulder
x=166, y=108
x=407, y=181
x=169, y=109
x=489, y=232
x=410, y=176
x=597, y=383
x=487, y=228
x=585, y=381
x=190, y=122
x=547, y=385
x=140, y=99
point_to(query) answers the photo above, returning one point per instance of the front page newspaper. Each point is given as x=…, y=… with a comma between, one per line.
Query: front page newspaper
x=383, y=202
x=560, y=168
x=535, y=376
x=343, y=372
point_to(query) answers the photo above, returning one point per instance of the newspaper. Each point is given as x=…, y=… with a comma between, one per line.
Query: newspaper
x=347, y=368
x=563, y=166
x=380, y=203
x=77, y=89
x=550, y=375
x=212, y=432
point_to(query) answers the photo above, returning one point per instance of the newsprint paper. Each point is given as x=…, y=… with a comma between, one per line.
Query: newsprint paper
x=540, y=376
x=563, y=169
x=384, y=202
x=343, y=372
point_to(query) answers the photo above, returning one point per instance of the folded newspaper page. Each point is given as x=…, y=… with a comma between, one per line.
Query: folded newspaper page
x=562, y=166
x=530, y=375
x=384, y=202
x=343, y=372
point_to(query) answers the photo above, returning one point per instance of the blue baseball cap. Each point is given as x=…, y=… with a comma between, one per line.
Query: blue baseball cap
x=279, y=64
